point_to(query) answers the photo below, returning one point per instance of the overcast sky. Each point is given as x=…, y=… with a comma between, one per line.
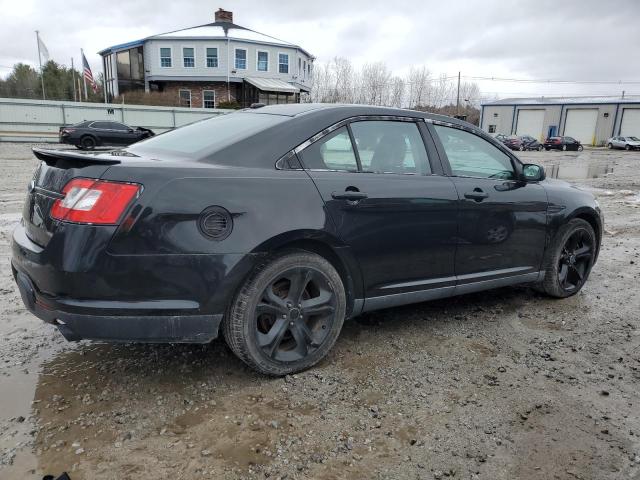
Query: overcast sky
x=567, y=40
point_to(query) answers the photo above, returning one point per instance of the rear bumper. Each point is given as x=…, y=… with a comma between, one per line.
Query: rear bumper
x=124, y=298
x=97, y=324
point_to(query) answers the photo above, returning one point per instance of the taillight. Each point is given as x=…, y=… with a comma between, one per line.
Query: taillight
x=68, y=130
x=93, y=201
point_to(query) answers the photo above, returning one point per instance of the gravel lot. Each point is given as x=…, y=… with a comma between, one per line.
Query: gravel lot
x=497, y=385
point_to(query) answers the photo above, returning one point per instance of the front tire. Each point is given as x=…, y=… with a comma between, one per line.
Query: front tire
x=609, y=146
x=569, y=260
x=580, y=148
x=627, y=147
x=540, y=148
x=287, y=315
x=564, y=148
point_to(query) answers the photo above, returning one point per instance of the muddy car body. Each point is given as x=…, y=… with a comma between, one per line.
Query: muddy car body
x=273, y=225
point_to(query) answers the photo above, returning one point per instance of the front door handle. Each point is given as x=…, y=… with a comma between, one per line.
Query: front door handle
x=478, y=195
x=349, y=195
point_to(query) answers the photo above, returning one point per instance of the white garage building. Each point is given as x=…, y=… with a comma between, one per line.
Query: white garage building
x=591, y=120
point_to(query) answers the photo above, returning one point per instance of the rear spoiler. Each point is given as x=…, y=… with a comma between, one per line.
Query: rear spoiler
x=50, y=156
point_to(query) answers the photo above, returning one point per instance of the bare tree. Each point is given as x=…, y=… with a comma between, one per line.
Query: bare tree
x=419, y=83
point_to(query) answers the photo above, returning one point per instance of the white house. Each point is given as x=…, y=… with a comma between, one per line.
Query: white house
x=211, y=63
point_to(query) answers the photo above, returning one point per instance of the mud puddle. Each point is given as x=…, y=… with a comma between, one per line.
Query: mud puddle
x=579, y=171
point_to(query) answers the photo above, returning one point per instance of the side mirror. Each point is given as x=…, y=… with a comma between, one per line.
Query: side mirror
x=533, y=173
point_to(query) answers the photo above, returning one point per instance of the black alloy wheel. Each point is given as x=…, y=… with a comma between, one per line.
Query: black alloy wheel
x=88, y=143
x=575, y=260
x=288, y=314
x=294, y=314
x=569, y=259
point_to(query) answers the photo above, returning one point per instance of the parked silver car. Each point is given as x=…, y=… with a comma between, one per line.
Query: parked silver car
x=628, y=143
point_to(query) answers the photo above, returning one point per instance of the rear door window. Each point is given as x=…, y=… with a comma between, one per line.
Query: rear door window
x=390, y=147
x=331, y=152
x=471, y=156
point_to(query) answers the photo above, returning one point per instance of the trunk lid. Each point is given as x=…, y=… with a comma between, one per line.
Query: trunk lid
x=53, y=173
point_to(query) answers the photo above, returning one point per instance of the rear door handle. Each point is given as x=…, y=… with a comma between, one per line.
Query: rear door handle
x=349, y=195
x=477, y=195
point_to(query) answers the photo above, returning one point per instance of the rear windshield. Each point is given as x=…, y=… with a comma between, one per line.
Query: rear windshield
x=199, y=139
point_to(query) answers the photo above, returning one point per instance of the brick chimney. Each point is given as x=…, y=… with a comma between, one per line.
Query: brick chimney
x=224, y=16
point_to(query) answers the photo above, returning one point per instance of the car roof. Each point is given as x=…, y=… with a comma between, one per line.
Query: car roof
x=348, y=110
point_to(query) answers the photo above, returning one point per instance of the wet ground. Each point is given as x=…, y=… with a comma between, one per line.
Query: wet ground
x=498, y=385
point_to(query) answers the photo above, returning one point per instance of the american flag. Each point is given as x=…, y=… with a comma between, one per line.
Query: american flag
x=88, y=76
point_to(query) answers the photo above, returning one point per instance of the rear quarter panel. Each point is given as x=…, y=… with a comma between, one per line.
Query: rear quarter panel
x=263, y=204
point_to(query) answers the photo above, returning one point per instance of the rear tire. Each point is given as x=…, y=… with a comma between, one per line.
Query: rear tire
x=564, y=148
x=540, y=148
x=609, y=146
x=87, y=143
x=569, y=260
x=627, y=147
x=580, y=148
x=287, y=315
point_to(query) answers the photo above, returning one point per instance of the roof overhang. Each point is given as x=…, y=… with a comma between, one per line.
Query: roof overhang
x=271, y=85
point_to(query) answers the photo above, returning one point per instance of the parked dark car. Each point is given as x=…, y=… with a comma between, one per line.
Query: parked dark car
x=272, y=226
x=527, y=142
x=562, y=143
x=501, y=137
x=513, y=142
x=88, y=135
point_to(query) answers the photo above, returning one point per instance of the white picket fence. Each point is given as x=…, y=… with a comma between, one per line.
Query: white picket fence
x=24, y=120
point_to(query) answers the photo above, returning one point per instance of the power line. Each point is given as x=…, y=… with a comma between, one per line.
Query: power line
x=574, y=82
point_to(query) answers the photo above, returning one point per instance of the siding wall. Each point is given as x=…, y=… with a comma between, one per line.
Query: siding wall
x=607, y=125
x=152, y=60
x=39, y=121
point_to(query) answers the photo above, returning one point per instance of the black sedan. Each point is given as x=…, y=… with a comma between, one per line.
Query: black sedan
x=88, y=135
x=527, y=142
x=271, y=226
x=562, y=143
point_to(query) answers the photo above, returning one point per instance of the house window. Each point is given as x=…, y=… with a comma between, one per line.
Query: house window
x=165, y=57
x=299, y=65
x=263, y=61
x=283, y=63
x=241, y=59
x=492, y=129
x=309, y=70
x=208, y=99
x=185, y=98
x=212, y=57
x=188, y=56
x=304, y=69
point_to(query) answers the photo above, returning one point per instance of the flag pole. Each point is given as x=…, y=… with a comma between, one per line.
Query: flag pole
x=84, y=79
x=73, y=80
x=40, y=62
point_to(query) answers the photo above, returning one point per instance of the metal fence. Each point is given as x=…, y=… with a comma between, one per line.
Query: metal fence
x=39, y=120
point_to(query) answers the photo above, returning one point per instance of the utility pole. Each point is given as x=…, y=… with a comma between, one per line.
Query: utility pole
x=40, y=62
x=73, y=80
x=458, y=97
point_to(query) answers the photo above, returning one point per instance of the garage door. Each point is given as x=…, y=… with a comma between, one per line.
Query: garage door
x=581, y=124
x=530, y=123
x=630, y=122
